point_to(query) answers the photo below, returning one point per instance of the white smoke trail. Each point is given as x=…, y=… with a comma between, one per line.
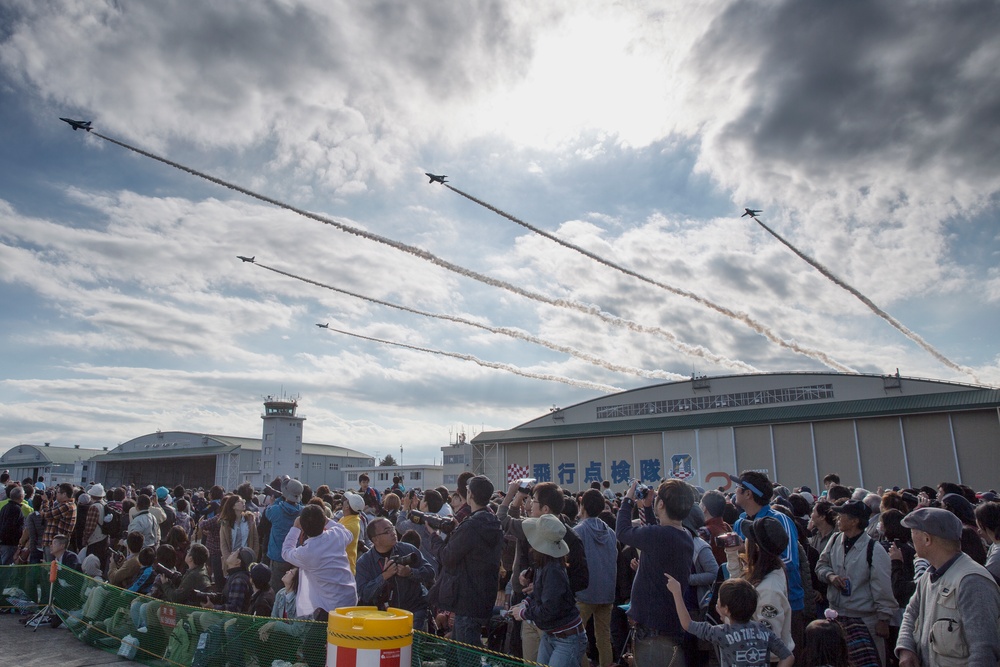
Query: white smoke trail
x=906, y=331
x=583, y=384
x=693, y=350
x=504, y=331
x=743, y=318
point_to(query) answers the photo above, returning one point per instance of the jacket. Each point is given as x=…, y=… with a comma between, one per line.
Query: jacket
x=790, y=556
x=773, y=609
x=663, y=549
x=431, y=542
x=551, y=605
x=11, y=523
x=409, y=593
x=871, y=587
x=226, y=537
x=470, y=567
x=282, y=515
x=600, y=547
x=145, y=523
x=195, y=579
x=579, y=573
x=952, y=618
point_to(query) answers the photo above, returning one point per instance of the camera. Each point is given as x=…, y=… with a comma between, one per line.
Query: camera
x=526, y=484
x=444, y=524
x=167, y=573
x=640, y=489
x=118, y=556
x=728, y=540
x=208, y=596
x=408, y=560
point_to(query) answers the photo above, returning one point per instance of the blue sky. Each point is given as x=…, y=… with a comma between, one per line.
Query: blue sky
x=866, y=131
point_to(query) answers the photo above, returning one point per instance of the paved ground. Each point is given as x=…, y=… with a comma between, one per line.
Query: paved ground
x=49, y=648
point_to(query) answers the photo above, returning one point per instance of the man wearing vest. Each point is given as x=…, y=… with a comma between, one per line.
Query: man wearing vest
x=953, y=616
x=94, y=538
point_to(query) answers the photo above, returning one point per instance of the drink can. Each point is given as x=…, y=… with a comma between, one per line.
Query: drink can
x=847, y=587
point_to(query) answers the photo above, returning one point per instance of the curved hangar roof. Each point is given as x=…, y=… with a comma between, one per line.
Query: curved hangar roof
x=184, y=443
x=739, y=400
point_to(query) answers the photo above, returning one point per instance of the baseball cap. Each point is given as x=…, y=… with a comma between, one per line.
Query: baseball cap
x=855, y=508
x=356, y=502
x=162, y=492
x=935, y=521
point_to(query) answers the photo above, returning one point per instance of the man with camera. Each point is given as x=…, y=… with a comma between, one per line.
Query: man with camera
x=394, y=574
x=235, y=596
x=417, y=520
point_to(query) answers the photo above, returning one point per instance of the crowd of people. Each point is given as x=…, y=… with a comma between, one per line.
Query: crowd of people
x=665, y=574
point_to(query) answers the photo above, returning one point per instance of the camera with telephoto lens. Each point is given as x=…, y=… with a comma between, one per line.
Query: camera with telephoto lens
x=407, y=560
x=208, y=596
x=640, y=489
x=526, y=485
x=167, y=572
x=443, y=523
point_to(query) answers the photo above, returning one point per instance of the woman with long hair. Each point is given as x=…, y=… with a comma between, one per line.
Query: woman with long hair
x=766, y=541
x=177, y=538
x=237, y=528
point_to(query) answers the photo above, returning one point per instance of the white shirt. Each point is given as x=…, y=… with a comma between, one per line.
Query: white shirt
x=323, y=568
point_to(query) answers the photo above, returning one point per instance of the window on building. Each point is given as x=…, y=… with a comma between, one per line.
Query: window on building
x=450, y=479
x=334, y=466
x=267, y=465
x=454, y=458
x=352, y=477
x=316, y=464
x=383, y=477
x=298, y=438
x=269, y=436
x=268, y=450
x=415, y=474
x=296, y=466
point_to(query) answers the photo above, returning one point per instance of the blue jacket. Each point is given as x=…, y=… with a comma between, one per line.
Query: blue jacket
x=601, y=548
x=796, y=596
x=282, y=515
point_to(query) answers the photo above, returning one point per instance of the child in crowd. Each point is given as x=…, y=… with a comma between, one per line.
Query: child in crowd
x=742, y=641
x=824, y=645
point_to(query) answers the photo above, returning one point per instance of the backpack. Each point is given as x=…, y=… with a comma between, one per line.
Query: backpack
x=112, y=523
x=182, y=642
x=210, y=649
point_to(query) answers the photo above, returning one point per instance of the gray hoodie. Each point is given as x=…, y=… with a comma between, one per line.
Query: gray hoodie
x=601, y=547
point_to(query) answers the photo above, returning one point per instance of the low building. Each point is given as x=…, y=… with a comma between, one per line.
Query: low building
x=872, y=430
x=380, y=477
x=55, y=464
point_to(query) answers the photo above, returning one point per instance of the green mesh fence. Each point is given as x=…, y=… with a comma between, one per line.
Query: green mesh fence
x=159, y=633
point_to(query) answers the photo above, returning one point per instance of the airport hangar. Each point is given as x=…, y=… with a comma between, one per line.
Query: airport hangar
x=872, y=430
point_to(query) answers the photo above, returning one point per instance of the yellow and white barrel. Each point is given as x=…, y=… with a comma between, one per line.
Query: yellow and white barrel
x=367, y=637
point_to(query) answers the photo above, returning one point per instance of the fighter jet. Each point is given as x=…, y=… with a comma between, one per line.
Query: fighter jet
x=324, y=326
x=752, y=212
x=436, y=178
x=77, y=124
x=247, y=259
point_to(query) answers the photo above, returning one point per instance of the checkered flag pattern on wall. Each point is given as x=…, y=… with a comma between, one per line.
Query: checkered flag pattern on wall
x=515, y=472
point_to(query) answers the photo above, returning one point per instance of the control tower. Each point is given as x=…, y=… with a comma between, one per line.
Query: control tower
x=281, y=442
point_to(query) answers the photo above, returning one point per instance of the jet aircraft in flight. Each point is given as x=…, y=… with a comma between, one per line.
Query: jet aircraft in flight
x=247, y=259
x=77, y=124
x=324, y=326
x=436, y=178
x=752, y=212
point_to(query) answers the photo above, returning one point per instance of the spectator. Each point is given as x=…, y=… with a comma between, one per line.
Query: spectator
x=169, y=515
x=94, y=540
x=829, y=481
x=766, y=540
x=34, y=529
x=665, y=547
x=145, y=523
x=430, y=540
x=753, y=493
x=958, y=600
x=146, y=576
x=470, y=566
x=11, y=525
x=59, y=517
x=383, y=582
x=713, y=504
x=183, y=517
x=237, y=527
x=463, y=510
x=369, y=494
x=262, y=600
x=742, y=641
x=601, y=551
x=325, y=579
x=64, y=557
x=550, y=604
x=352, y=507
x=858, y=572
x=825, y=645
x=195, y=579
x=391, y=505
x=238, y=589
x=123, y=570
x=988, y=519
x=280, y=517
x=609, y=495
